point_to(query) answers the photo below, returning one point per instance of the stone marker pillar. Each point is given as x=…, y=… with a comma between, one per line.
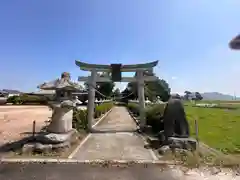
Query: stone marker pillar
x=91, y=98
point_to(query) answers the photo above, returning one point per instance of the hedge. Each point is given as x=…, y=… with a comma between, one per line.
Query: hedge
x=28, y=99
x=154, y=115
x=151, y=111
x=80, y=121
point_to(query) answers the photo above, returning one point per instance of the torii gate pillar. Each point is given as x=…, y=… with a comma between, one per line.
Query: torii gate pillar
x=91, y=98
x=141, y=97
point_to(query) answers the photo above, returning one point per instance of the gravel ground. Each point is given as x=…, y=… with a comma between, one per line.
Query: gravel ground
x=16, y=121
x=82, y=171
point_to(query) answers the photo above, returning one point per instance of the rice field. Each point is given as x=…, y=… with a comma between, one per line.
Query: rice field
x=218, y=127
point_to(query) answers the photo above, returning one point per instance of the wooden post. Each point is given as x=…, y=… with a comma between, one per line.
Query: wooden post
x=141, y=97
x=34, y=128
x=91, y=98
x=196, y=130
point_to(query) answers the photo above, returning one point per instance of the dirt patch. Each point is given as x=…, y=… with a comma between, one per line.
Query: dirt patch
x=16, y=121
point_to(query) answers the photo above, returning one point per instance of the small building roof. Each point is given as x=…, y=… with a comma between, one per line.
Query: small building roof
x=235, y=43
x=62, y=83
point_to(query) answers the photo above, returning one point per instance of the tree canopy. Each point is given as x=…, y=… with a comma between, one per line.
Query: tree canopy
x=152, y=89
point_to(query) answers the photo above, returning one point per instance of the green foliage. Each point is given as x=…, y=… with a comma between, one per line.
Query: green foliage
x=117, y=103
x=152, y=89
x=153, y=115
x=117, y=92
x=157, y=88
x=13, y=99
x=155, y=110
x=151, y=111
x=102, y=109
x=80, y=121
x=134, y=108
x=28, y=99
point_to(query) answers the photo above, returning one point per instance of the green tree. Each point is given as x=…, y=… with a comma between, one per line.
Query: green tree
x=117, y=92
x=198, y=96
x=127, y=95
x=152, y=89
x=187, y=95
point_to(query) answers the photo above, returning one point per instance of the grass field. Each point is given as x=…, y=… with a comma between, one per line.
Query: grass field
x=218, y=128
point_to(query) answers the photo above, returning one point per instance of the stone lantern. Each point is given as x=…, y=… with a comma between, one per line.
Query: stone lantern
x=59, y=133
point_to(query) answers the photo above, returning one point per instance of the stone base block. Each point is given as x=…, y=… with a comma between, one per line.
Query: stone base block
x=55, y=138
x=183, y=143
x=48, y=142
x=176, y=144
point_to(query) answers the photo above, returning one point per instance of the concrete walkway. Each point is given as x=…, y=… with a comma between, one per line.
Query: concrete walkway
x=117, y=120
x=114, y=146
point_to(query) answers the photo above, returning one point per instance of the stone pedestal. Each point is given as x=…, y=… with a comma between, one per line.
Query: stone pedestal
x=48, y=142
x=59, y=134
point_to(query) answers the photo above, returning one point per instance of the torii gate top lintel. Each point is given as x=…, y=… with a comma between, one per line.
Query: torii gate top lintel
x=124, y=68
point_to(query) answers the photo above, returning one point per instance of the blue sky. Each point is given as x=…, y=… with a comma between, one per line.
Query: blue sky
x=41, y=39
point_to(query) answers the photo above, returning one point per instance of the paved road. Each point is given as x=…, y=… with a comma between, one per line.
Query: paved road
x=115, y=145
x=82, y=171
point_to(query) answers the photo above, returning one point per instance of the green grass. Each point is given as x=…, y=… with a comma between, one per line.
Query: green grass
x=218, y=128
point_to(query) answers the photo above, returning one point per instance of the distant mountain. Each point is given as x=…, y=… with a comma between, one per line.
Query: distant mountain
x=217, y=96
x=12, y=91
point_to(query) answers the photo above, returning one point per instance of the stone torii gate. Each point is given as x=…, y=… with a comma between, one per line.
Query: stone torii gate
x=116, y=76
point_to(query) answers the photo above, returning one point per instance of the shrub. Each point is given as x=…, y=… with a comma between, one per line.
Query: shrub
x=134, y=108
x=33, y=99
x=102, y=109
x=80, y=121
x=13, y=99
x=154, y=115
x=151, y=111
x=28, y=99
x=120, y=103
